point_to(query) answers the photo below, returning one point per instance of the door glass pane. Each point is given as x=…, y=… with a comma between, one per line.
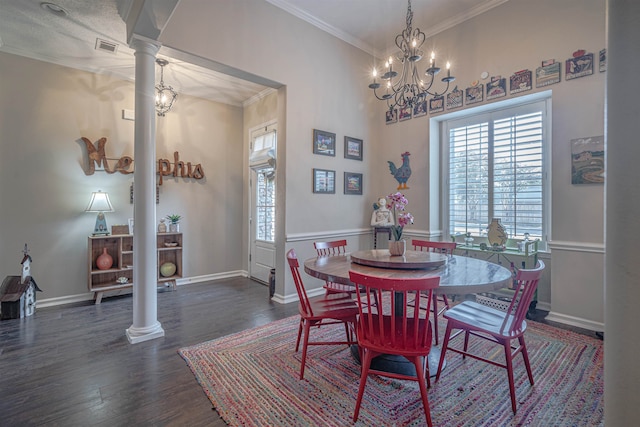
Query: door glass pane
x=265, y=204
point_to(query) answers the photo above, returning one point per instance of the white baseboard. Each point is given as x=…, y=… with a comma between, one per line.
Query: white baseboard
x=294, y=297
x=575, y=321
x=69, y=299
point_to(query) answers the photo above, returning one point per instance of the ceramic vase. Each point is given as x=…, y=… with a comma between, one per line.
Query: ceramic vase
x=167, y=269
x=397, y=248
x=104, y=261
x=174, y=228
x=162, y=227
x=496, y=233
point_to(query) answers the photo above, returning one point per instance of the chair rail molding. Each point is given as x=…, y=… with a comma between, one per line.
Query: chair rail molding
x=560, y=245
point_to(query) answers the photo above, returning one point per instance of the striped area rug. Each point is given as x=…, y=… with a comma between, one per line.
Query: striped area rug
x=252, y=380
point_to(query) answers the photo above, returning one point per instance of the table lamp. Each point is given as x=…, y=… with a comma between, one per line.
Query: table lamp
x=100, y=203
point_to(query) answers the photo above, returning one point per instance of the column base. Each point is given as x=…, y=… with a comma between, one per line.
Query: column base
x=136, y=335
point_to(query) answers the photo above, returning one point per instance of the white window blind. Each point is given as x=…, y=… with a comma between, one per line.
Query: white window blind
x=496, y=171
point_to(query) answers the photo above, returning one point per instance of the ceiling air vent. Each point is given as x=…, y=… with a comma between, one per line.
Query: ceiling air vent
x=106, y=46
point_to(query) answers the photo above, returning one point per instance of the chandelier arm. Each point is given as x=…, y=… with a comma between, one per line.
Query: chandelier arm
x=406, y=88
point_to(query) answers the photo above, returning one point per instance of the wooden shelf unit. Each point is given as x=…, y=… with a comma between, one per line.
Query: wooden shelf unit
x=120, y=247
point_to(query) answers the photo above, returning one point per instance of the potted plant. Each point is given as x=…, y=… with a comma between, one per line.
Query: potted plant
x=398, y=202
x=174, y=222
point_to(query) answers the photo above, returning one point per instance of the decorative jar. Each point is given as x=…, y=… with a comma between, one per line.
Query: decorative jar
x=104, y=261
x=397, y=248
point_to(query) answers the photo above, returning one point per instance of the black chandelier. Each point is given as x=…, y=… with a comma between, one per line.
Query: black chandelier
x=409, y=88
x=165, y=95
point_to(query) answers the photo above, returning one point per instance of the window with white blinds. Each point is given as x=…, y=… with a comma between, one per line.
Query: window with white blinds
x=496, y=170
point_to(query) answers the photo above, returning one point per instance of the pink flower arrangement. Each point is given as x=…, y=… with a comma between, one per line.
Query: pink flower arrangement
x=398, y=202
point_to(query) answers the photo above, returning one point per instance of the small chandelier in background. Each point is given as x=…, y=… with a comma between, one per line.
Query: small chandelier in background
x=165, y=95
x=409, y=89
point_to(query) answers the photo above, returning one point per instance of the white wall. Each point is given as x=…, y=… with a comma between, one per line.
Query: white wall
x=44, y=111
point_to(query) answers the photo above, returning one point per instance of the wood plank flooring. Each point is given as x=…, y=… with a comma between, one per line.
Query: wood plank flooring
x=73, y=366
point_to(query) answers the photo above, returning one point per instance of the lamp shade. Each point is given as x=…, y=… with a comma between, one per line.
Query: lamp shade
x=99, y=203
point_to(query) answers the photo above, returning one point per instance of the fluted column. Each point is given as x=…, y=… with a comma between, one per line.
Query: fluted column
x=145, y=262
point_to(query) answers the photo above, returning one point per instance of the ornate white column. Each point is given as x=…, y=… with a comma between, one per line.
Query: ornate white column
x=622, y=205
x=145, y=262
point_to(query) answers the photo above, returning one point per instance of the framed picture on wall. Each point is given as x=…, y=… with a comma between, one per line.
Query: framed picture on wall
x=324, y=181
x=352, y=148
x=352, y=183
x=391, y=116
x=324, y=143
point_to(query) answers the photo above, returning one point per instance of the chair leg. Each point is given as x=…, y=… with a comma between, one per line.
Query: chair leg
x=420, y=373
x=466, y=343
x=346, y=330
x=445, y=347
x=299, y=334
x=364, y=373
x=425, y=368
x=525, y=356
x=509, y=360
x=435, y=317
x=307, y=329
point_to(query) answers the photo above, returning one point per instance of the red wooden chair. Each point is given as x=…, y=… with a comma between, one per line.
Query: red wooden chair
x=320, y=311
x=387, y=325
x=500, y=327
x=439, y=247
x=336, y=247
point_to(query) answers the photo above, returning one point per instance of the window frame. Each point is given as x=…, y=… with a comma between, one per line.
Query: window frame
x=495, y=111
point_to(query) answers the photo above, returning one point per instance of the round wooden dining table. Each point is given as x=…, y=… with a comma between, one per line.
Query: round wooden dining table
x=459, y=275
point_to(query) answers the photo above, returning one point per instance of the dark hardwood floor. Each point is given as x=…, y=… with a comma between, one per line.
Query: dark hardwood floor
x=73, y=366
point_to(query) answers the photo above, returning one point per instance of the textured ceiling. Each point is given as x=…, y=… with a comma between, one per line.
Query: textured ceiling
x=30, y=30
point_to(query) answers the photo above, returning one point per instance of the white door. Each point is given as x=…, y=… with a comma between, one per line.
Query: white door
x=263, y=203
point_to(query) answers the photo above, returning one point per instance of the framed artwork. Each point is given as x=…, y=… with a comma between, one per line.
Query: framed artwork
x=420, y=109
x=130, y=225
x=324, y=181
x=587, y=160
x=474, y=94
x=602, y=60
x=520, y=81
x=548, y=74
x=496, y=88
x=324, y=143
x=352, y=148
x=391, y=116
x=404, y=113
x=579, y=66
x=454, y=98
x=352, y=183
x=436, y=104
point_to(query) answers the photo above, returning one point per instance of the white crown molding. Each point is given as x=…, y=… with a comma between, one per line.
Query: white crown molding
x=257, y=97
x=366, y=47
x=299, y=13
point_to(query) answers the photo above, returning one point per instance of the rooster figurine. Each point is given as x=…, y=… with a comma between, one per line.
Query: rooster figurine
x=402, y=173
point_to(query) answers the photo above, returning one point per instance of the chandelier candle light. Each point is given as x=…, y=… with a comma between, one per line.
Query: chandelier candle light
x=409, y=89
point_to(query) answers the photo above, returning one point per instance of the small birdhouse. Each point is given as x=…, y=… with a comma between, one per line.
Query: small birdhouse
x=18, y=293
